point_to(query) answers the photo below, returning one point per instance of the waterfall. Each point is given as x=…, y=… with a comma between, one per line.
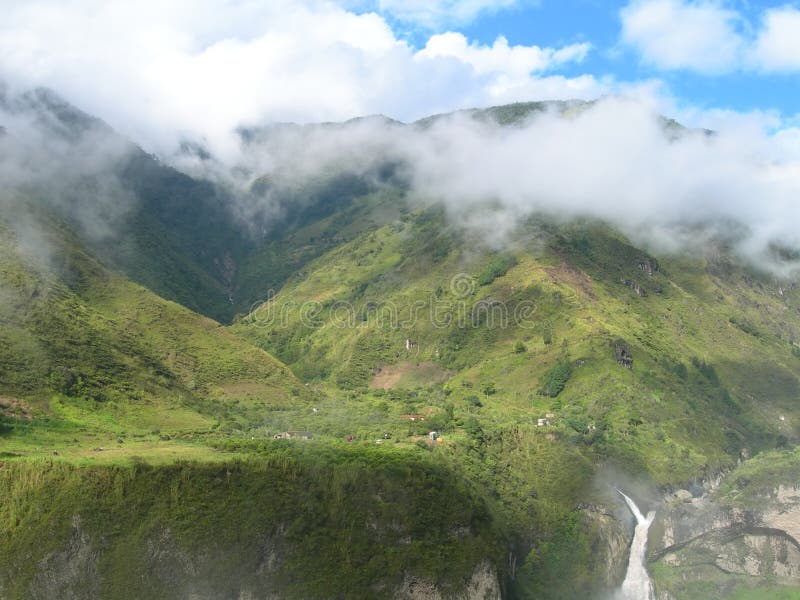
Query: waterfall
x=637, y=584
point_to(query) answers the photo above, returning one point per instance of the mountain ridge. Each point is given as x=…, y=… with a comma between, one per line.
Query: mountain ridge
x=561, y=362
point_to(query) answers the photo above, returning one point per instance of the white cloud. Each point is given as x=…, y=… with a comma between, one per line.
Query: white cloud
x=517, y=61
x=507, y=69
x=614, y=162
x=704, y=36
x=787, y=144
x=778, y=45
x=159, y=70
x=680, y=34
x=611, y=160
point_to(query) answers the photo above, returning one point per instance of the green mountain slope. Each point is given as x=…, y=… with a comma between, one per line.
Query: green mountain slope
x=714, y=360
x=136, y=456
x=461, y=411
x=175, y=235
x=87, y=352
x=569, y=350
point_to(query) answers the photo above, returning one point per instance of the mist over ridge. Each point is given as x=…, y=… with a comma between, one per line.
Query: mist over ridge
x=616, y=159
x=666, y=187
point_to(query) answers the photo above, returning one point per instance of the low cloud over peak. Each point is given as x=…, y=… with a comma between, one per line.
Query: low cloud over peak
x=616, y=159
x=165, y=72
x=188, y=81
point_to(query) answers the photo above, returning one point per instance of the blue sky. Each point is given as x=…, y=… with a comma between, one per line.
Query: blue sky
x=599, y=22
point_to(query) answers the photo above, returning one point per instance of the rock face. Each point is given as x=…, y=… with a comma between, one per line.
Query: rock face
x=636, y=287
x=784, y=513
x=698, y=535
x=70, y=572
x=483, y=585
x=611, y=542
x=622, y=354
x=649, y=266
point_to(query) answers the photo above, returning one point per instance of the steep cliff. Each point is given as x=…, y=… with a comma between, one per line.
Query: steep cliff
x=290, y=524
x=742, y=532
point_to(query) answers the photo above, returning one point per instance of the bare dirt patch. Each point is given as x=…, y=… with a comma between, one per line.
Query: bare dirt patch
x=575, y=278
x=246, y=389
x=250, y=391
x=14, y=408
x=409, y=374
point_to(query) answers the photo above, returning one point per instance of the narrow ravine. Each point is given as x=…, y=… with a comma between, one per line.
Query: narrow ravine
x=637, y=584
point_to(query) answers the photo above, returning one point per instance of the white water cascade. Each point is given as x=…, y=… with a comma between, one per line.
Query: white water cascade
x=637, y=584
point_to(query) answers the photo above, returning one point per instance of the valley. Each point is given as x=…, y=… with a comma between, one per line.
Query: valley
x=373, y=399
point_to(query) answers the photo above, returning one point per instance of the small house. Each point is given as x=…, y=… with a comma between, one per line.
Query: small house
x=294, y=435
x=413, y=417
